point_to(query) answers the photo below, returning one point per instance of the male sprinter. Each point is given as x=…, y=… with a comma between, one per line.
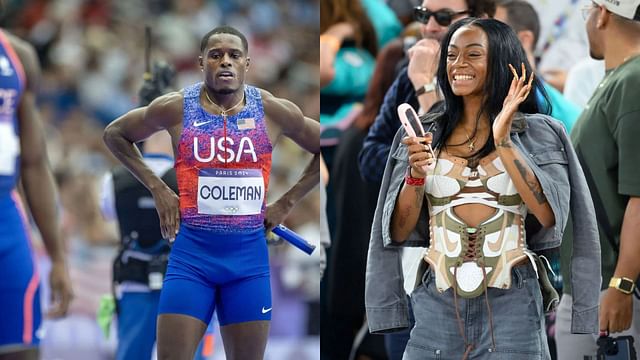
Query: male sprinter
x=23, y=156
x=222, y=133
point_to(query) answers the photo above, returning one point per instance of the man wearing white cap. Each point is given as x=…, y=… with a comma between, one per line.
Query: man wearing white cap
x=606, y=138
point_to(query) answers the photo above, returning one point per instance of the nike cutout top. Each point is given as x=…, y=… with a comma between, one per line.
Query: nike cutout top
x=463, y=256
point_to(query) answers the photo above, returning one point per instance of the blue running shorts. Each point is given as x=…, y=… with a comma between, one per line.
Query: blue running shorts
x=228, y=273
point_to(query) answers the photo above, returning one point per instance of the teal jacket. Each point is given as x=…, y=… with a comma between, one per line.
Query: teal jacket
x=561, y=108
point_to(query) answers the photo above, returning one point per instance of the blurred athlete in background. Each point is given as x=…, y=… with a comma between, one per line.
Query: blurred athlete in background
x=23, y=157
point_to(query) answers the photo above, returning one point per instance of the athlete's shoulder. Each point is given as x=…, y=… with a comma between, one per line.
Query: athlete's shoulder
x=168, y=106
x=265, y=95
x=27, y=56
x=168, y=101
x=285, y=114
x=275, y=106
x=18, y=44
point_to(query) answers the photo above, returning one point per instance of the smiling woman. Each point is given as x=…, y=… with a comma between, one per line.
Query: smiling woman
x=476, y=79
x=481, y=193
x=467, y=62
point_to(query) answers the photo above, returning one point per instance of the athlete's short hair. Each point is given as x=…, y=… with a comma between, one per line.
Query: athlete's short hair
x=224, y=29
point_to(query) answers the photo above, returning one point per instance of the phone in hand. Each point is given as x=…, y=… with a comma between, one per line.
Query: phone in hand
x=412, y=125
x=618, y=348
x=614, y=348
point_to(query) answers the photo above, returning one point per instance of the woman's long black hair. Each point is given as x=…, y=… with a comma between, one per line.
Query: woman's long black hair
x=504, y=49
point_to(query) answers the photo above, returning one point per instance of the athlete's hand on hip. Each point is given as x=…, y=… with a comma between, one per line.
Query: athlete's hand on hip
x=419, y=154
x=518, y=92
x=168, y=207
x=275, y=214
x=616, y=310
x=61, y=292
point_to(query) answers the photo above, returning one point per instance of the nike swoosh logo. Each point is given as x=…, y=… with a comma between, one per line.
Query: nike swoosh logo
x=196, y=123
x=452, y=247
x=264, y=310
x=494, y=244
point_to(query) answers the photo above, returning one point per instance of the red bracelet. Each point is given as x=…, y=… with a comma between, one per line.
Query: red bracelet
x=409, y=180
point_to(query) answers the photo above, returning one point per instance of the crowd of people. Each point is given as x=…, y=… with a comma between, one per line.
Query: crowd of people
x=456, y=243
x=498, y=222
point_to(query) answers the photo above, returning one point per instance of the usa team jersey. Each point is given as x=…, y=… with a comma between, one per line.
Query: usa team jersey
x=12, y=81
x=223, y=166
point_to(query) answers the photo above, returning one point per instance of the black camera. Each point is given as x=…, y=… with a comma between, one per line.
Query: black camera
x=618, y=348
x=158, y=83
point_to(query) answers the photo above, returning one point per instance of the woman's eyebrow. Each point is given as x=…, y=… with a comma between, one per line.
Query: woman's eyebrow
x=469, y=45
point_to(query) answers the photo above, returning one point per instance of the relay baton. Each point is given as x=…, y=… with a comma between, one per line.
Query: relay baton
x=293, y=238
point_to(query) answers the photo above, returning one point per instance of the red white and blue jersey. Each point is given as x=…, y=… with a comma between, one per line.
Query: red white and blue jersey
x=223, y=165
x=12, y=83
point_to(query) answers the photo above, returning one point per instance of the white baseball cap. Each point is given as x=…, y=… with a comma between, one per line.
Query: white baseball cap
x=626, y=8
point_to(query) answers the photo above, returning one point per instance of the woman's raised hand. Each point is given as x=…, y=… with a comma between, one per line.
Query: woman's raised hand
x=518, y=92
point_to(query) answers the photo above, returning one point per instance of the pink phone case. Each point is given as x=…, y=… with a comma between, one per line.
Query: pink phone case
x=406, y=113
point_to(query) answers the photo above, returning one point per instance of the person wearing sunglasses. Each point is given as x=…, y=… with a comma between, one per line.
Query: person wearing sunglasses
x=443, y=17
x=423, y=56
x=415, y=83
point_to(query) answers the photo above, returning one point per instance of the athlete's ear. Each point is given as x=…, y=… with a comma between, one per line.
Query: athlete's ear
x=201, y=63
x=246, y=68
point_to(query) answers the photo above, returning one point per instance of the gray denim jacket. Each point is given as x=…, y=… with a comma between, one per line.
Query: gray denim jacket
x=548, y=151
